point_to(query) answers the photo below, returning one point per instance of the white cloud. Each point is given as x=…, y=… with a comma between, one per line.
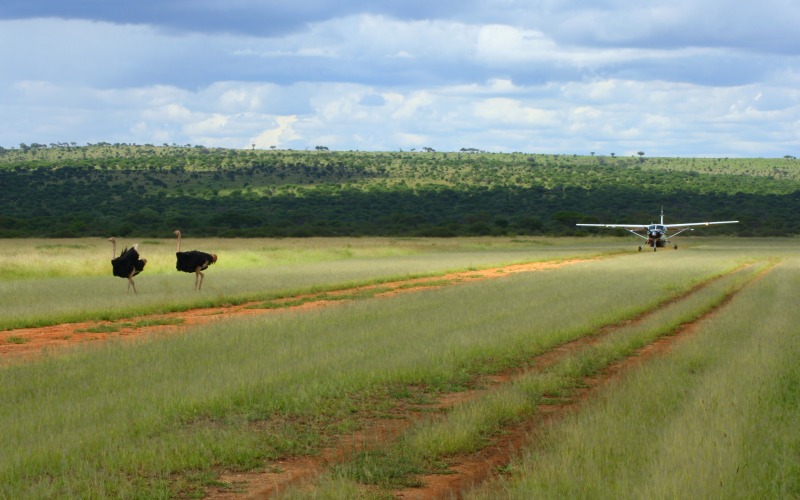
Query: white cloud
x=416, y=141
x=503, y=44
x=239, y=99
x=502, y=110
x=501, y=86
x=417, y=104
x=208, y=126
x=174, y=113
x=686, y=78
x=279, y=136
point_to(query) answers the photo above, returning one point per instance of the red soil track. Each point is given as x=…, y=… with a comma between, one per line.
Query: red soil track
x=31, y=342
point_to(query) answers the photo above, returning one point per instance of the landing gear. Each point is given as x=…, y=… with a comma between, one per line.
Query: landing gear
x=640, y=248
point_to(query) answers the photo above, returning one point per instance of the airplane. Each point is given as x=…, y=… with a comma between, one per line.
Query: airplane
x=657, y=233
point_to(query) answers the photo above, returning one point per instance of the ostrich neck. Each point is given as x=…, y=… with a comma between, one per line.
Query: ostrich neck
x=113, y=249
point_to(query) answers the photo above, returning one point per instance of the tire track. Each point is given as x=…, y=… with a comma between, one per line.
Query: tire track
x=469, y=470
x=28, y=343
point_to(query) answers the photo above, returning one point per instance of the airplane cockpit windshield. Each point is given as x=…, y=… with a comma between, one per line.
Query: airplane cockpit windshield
x=656, y=227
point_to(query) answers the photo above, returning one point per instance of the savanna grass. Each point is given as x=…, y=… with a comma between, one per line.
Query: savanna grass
x=468, y=427
x=47, y=282
x=717, y=418
x=138, y=419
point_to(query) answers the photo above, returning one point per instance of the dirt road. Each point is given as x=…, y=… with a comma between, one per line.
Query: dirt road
x=31, y=342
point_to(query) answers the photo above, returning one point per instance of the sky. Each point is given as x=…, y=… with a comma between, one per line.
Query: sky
x=690, y=78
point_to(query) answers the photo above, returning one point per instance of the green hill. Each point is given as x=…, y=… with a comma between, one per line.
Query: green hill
x=65, y=190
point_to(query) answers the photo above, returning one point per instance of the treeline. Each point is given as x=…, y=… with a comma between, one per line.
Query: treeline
x=101, y=190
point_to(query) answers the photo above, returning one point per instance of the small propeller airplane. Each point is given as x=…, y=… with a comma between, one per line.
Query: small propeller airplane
x=656, y=234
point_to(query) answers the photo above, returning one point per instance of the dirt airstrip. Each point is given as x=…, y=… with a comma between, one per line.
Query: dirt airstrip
x=466, y=471
x=28, y=342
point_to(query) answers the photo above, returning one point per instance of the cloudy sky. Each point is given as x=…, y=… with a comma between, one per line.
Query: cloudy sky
x=716, y=78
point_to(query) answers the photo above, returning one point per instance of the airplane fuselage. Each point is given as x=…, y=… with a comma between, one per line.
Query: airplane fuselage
x=654, y=235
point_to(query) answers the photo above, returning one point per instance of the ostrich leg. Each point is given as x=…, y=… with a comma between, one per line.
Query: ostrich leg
x=198, y=280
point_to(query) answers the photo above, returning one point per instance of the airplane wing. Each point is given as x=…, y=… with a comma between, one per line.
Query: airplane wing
x=656, y=233
x=660, y=228
x=631, y=228
x=688, y=224
x=622, y=226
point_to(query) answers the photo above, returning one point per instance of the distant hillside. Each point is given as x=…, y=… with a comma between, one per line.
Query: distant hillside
x=66, y=190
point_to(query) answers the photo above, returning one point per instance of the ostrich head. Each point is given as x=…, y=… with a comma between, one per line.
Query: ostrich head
x=213, y=258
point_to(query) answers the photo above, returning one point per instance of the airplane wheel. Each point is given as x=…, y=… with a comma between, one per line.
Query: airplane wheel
x=640, y=248
x=675, y=247
x=655, y=248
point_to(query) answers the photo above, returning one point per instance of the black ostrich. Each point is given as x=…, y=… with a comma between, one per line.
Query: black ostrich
x=194, y=261
x=128, y=264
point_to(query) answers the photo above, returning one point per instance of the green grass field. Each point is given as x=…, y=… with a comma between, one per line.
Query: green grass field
x=51, y=281
x=162, y=417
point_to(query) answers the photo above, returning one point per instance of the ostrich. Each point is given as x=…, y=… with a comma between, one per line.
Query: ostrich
x=128, y=264
x=194, y=261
